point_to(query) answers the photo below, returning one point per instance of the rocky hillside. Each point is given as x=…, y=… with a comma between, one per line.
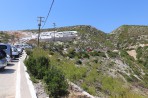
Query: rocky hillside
x=4, y=37
x=103, y=71
x=105, y=65
x=129, y=35
x=89, y=37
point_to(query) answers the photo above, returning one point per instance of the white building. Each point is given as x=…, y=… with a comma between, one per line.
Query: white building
x=50, y=36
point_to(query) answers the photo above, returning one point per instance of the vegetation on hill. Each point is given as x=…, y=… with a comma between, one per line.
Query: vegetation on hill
x=129, y=35
x=97, y=62
x=4, y=37
x=39, y=67
x=97, y=74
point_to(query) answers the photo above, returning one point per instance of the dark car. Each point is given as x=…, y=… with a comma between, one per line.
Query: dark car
x=7, y=48
x=3, y=60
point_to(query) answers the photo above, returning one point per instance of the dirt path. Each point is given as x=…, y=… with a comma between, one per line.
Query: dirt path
x=132, y=53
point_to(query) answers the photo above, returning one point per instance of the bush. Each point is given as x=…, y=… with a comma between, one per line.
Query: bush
x=94, y=53
x=31, y=66
x=37, y=64
x=56, y=83
x=139, y=52
x=124, y=54
x=79, y=62
x=112, y=54
x=28, y=51
x=71, y=53
x=102, y=54
x=39, y=68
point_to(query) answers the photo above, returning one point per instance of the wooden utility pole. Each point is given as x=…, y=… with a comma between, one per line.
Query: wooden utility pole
x=54, y=25
x=39, y=24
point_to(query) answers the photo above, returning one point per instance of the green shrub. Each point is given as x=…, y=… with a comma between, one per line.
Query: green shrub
x=102, y=54
x=56, y=83
x=112, y=54
x=82, y=54
x=94, y=53
x=95, y=60
x=71, y=53
x=33, y=79
x=92, y=90
x=139, y=52
x=79, y=62
x=28, y=51
x=142, y=56
x=31, y=65
x=37, y=64
x=85, y=86
x=51, y=53
x=128, y=59
x=85, y=55
x=42, y=64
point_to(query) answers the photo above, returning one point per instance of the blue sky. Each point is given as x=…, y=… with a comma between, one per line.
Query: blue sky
x=105, y=15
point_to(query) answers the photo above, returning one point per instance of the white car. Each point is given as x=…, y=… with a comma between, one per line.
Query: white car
x=15, y=53
x=19, y=49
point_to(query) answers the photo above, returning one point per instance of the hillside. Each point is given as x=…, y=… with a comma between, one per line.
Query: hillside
x=90, y=62
x=129, y=35
x=105, y=65
x=4, y=37
x=88, y=36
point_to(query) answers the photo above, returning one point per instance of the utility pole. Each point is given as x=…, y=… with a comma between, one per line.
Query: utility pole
x=54, y=25
x=39, y=24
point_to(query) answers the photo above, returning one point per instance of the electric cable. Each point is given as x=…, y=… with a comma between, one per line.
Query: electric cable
x=48, y=14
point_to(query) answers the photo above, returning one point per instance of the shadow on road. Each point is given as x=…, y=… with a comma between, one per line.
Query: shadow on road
x=15, y=60
x=7, y=71
x=10, y=65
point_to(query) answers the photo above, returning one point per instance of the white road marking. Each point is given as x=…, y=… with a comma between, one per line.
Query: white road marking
x=18, y=81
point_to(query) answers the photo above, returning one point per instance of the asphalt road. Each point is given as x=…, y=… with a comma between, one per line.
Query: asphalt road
x=14, y=82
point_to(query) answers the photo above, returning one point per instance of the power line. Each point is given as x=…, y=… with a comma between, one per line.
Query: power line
x=48, y=13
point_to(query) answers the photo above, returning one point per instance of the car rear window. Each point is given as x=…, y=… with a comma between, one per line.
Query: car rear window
x=2, y=54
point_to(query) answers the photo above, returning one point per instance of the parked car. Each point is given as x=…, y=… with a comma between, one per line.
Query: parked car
x=15, y=53
x=19, y=48
x=3, y=60
x=26, y=46
x=8, y=50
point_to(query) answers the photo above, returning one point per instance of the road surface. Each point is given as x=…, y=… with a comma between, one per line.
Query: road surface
x=14, y=82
